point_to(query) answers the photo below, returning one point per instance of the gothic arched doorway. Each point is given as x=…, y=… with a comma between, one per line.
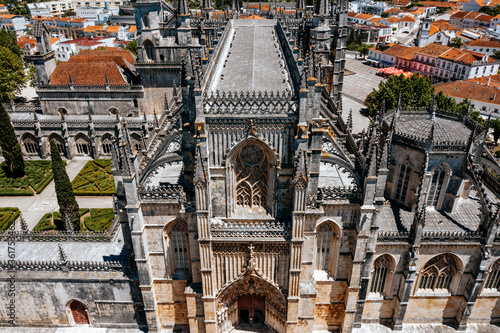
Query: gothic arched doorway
x=251, y=309
x=79, y=313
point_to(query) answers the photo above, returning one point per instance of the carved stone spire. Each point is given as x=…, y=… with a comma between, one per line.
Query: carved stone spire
x=321, y=7
x=183, y=8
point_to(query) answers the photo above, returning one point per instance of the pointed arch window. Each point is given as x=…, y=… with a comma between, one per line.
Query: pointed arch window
x=252, y=168
x=326, y=247
x=145, y=21
x=178, y=251
x=436, y=186
x=493, y=281
x=405, y=171
x=381, y=270
x=150, y=50
x=438, y=273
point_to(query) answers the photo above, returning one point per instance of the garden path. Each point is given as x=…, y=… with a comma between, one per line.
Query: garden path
x=34, y=207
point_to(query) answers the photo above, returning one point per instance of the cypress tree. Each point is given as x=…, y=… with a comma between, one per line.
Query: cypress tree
x=11, y=149
x=64, y=190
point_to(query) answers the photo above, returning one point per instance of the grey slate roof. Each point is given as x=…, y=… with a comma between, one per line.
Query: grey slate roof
x=465, y=218
x=419, y=126
x=252, y=60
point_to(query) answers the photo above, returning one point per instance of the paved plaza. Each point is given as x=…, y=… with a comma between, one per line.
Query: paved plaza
x=356, y=87
x=34, y=207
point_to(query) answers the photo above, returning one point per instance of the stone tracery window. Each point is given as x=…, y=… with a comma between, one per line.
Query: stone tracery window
x=438, y=272
x=325, y=247
x=251, y=168
x=107, y=145
x=31, y=145
x=437, y=185
x=150, y=50
x=178, y=251
x=380, y=274
x=493, y=281
x=405, y=171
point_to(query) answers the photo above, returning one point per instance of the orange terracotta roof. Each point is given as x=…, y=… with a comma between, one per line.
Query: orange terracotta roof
x=254, y=17
x=78, y=20
x=484, y=43
x=434, y=49
x=30, y=40
x=407, y=18
x=90, y=28
x=441, y=25
x=132, y=28
x=484, y=17
x=463, y=56
x=492, y=80
x=87, y=74
x=7, y=16
x=364, y=16
x=392, y=10
x=50, y=18
x=53, y=40
x=352, y=14
x=470, y=90
x=375, y=19
x=392, y=19
x=64, y=19
x=113, y=28
x=109, y=54
x=440, y=4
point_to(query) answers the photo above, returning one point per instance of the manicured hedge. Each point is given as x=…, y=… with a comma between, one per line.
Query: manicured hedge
x=7, y=216
x=95, y=178
x=100, y=219
x=38, y=176
x=54, y=221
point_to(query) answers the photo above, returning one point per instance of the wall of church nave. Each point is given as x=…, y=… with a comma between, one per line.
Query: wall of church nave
x=102, y=103
x=486, y=310
x=170, y=298
x=433, y=309
x=45, y=298
x=380, y=310
x=330, y=304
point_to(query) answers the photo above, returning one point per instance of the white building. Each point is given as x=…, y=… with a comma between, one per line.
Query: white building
x=14, y=23
x=60, y=6
x=66, y=49
x=38, y=9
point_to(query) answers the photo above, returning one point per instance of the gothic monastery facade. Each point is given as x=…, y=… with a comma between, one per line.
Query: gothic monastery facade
x=243, y=197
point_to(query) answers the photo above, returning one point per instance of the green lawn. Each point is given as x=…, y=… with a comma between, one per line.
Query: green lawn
x=7, y=216
x=95, y=178
x=38, y=176
x=95, y=219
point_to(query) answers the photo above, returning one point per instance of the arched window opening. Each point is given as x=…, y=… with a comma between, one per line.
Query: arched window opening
x=107, y=145
x=493, y=281
x=83, y=146
x=62, y=111
x=150, y=50
x=145, y=21
x=177, y=241
x=380, y=272
x=325, y=247
x=251, y=168
x=405, y=171
x=31, y=145
x=59, y=143
x=438, y=272
x=113, y=111
x=436, y=186
x=79, y=312
x=136, y=104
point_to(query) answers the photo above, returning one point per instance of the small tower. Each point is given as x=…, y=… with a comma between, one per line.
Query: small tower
x=423, y=32
x=44, y=60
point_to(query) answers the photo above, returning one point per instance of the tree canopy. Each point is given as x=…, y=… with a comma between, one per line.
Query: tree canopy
x=416, y=91
x=12, y=76
x=456, y=42
x=8, y=39
x=64, y=191
x=132, y=47
x=11, y=150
